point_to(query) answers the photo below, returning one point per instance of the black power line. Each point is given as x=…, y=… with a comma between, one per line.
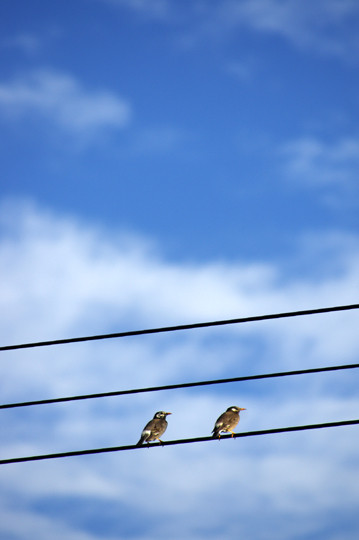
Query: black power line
x=174, y=386
x=179, y=441
x=180, y=327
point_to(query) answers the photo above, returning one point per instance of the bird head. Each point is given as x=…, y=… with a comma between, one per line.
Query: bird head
x=161, y=414
x=236, y=409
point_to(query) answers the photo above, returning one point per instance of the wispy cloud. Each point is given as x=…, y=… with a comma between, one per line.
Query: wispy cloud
x=319, y=25
x=158, y=9
x=26, y=42
x=63, y=100
x=311, y=161
x=61, y=278
x=31, y=43
x=156, y=140
x=242, y=70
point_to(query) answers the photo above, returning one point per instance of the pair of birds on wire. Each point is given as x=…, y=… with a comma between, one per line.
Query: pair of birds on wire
x=158, y=425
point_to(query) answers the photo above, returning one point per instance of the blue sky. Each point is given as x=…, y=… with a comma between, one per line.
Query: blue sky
x=166, y=162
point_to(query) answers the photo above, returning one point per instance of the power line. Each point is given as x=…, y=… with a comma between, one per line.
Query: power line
x=179, y=441
x=180, y=327
x=175, y=386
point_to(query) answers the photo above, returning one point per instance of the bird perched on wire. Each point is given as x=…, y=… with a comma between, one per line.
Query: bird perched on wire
x=155, y=428
x=227, y=421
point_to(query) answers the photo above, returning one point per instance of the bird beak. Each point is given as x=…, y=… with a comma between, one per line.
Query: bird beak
x=241, y=409
x=168, y=413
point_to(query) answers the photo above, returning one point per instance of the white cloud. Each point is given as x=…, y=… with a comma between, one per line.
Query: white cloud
x=27, y=524
x=59, y=278
x=61, y=99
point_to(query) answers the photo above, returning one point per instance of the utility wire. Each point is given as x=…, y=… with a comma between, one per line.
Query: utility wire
x=174, y=386
x=180, y=327
x=179, y=441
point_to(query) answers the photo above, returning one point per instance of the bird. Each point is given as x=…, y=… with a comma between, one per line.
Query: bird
x=227, y=421
x=155, y=428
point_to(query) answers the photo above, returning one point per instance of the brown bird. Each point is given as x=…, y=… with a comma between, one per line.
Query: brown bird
x=155, y=428
x=227, y=421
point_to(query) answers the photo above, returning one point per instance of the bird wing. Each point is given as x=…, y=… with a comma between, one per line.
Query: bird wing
x=218, y=426
x=146, y=432
x=225, y=422
x=158, y=428
x=153, y=430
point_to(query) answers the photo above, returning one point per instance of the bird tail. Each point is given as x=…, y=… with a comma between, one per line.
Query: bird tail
x=216, y=432
x=140, y=441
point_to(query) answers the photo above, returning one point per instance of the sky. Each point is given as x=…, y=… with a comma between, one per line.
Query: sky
x=169, y=162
